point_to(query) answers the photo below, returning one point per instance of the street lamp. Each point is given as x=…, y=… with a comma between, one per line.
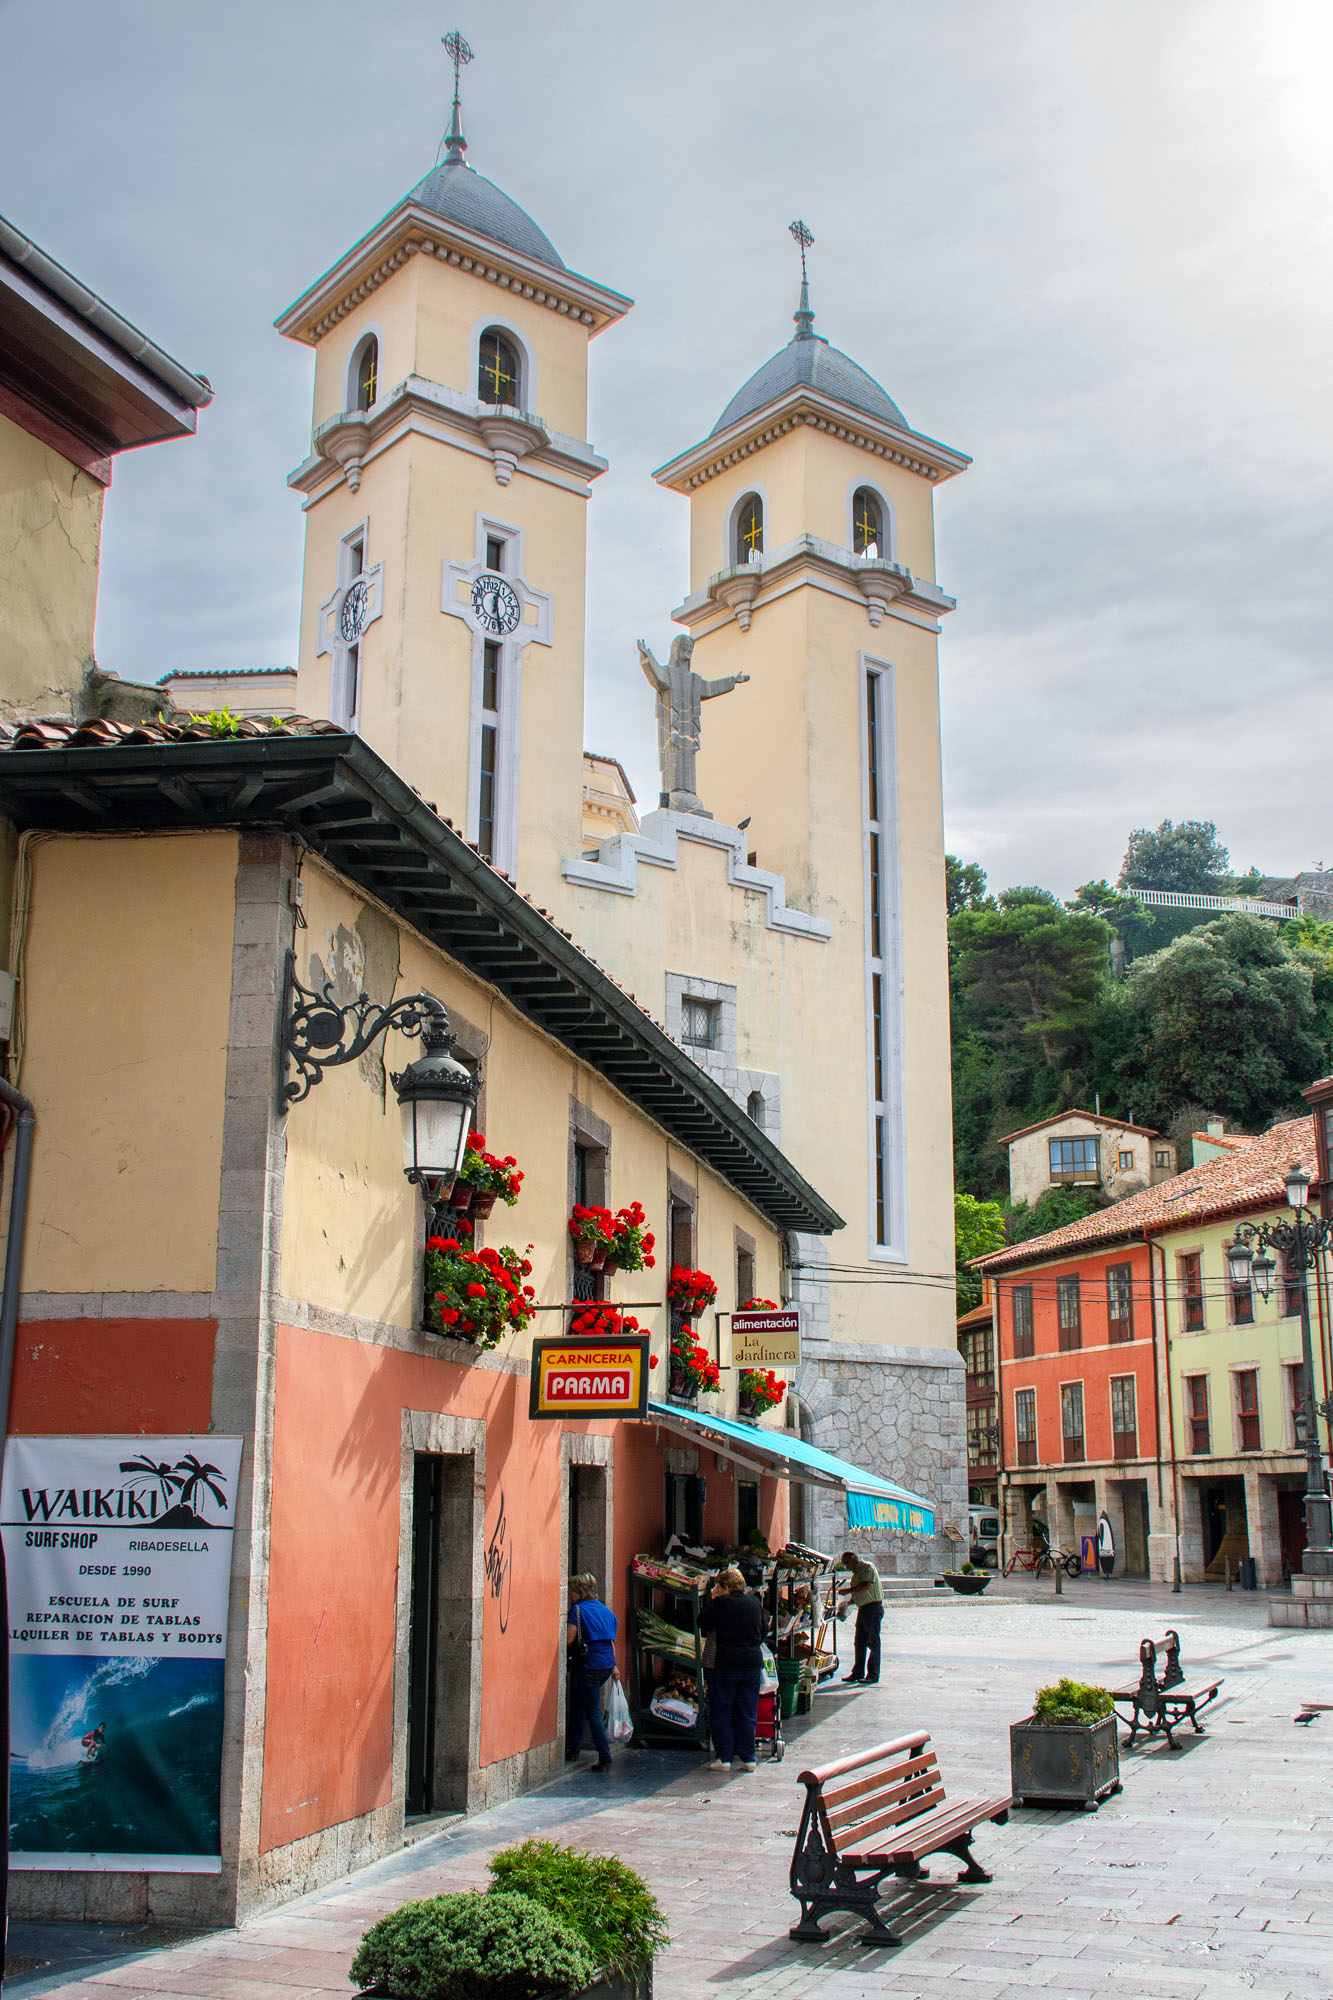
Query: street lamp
x=437, y=1093
x=1300, y=1243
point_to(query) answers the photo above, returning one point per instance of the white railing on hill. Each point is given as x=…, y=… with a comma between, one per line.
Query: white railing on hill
x=1180, y=899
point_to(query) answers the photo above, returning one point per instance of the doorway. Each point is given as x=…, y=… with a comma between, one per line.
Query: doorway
x=440, y=1678
x=1135, y=1496
x=1291, y=1528
x=1225, y=1527
x=684, y=1512
x=585, y=1552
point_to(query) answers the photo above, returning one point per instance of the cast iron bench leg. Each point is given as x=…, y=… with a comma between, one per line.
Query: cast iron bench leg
x=972, y=1869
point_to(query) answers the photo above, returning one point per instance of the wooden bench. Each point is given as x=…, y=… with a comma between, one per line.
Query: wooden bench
x=874, y=1815
x=1162, y=1699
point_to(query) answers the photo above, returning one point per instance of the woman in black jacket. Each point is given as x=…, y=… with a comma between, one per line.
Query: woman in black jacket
x=734, y=1619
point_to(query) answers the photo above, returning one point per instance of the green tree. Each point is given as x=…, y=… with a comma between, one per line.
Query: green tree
x=964, y=886
x=978, y=1226
x=1030, y=974
x=1188, y=857
x=1226, y=1016
x=1131, y=921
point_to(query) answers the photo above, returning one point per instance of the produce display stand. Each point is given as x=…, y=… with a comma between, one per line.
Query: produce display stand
x=679, y=1603
x=826, y=1639
x=792, y=1600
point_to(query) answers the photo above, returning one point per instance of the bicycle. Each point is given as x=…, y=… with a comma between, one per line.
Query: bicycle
x=1042, y=1561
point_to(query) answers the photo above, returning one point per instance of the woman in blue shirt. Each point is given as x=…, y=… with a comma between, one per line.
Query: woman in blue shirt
x=592, y=1661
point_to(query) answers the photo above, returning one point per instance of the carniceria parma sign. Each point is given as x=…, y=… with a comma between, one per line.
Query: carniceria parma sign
x=589, y=1378
x=118, y=1553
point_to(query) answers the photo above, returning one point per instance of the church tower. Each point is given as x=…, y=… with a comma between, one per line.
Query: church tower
x=445, y=496
x=813, y=571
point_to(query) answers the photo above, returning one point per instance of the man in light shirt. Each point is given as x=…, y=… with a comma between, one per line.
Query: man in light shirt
x=866, y=1592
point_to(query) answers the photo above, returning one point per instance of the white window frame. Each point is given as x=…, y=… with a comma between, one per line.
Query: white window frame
x=876, y=681
x=505, y=717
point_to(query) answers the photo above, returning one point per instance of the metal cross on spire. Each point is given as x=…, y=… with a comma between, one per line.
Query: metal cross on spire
x=460, y=55
x=805, y=319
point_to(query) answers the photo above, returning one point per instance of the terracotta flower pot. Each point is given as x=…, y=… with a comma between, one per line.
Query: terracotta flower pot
x=584, y=1250
x=461, y=1199
x=482, y=1204
x=682, y=1386
x=610, y=1263
x=598, y=1258
x=749, y=1408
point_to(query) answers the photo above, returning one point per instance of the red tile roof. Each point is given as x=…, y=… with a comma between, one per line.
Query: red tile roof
x=1076, y=1111
x=1235, y=1141
x=1250, y=1179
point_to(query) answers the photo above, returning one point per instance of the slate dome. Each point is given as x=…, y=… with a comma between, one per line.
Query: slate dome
x=460, y=194
x=808, y=361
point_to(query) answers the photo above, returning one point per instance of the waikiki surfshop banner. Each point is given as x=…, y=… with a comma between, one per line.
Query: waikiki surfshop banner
x=118, y=1552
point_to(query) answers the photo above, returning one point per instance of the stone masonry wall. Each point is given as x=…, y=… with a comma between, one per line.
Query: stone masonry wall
x=897, y=1411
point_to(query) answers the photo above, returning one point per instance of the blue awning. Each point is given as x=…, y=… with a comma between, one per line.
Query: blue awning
x=872, y=1502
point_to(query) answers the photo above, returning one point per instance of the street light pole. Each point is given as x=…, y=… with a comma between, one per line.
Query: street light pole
x=1300, y=1242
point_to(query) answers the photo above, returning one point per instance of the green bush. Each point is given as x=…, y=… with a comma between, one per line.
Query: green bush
x=1071, y=1701
x=472, y=1947
x=612, y=1909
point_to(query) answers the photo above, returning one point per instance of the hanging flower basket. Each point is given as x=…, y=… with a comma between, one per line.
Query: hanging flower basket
x=690, y=1292
x=632, y=1243
x=484, y=1179
x=477, y=1295
x=593, y=1231
x=603, y=1322
x=760, y=1390
x=692, y=1367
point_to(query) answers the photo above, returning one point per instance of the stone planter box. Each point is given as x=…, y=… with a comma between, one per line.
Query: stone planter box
x=611, y=1986
x=967, y=1586
x=1064, y=1763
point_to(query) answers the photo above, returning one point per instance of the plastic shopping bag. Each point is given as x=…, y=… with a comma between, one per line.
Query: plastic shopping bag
x=619, y=1728
x=768, y=1671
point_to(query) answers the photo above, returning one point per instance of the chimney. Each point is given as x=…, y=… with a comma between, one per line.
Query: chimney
x=1216, y=1128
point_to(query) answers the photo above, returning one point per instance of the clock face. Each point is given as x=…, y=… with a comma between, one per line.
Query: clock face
x=352, y=617
x=494, y=605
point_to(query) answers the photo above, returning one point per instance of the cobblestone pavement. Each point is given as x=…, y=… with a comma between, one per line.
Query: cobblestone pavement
x=1208, y=1875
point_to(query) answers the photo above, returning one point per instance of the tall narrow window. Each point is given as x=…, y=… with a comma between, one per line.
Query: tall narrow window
x=867, y=523
x=497, y=369
x=495, y=553
x=744, y=1276
x=1293, y=1377
x=882, y=958
x=1120, y=1301
x=749, y=529
x=1196, y=1405
x=368, y=374
x=1022, y=1306
x=754, y=1107
x=1124, y=1417
x=1069, y=1297
x=490, y=730
x=1190, y=1271
x=1242, y=1303
x=1071, y=1421
x=1293, y=1284
x=1247, y=1408
x=1025, y=1425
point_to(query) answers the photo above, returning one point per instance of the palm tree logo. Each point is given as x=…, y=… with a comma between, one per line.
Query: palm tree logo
x=149, y=1472
x=199, y=1478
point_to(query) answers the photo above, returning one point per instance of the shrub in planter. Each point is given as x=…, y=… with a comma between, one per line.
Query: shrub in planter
x=969, y=1581
x=471, y=1946
x=613, y=1910
x=477, y=1295
x=1067, y=1751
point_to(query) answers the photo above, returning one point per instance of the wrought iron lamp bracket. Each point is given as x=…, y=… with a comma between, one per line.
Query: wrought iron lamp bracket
x=1300, y=1242
x=319, y=1034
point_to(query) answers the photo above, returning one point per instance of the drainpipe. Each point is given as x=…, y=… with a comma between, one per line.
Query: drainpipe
x=1170, y=1403
x=25, y=1120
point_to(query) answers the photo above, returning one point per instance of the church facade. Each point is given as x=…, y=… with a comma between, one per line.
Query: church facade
x=799, y=959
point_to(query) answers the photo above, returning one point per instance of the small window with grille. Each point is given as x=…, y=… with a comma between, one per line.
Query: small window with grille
x=698, y=1022
x=497, y=369
x=749, y=530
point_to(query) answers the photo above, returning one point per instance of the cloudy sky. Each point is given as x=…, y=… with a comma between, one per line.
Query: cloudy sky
x=1088, y=243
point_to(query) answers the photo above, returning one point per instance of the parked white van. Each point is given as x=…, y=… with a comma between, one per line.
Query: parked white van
x=983, y=1528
